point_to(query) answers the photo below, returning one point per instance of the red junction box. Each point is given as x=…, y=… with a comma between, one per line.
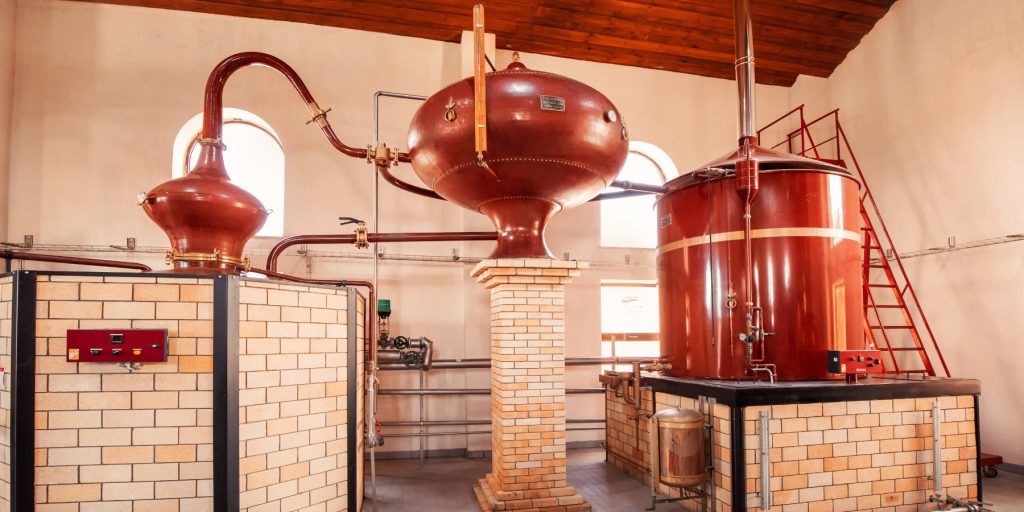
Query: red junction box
x=855, y=362
x=117, y=345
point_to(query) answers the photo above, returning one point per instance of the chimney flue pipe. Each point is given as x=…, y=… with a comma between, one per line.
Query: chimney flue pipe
x=745, y=70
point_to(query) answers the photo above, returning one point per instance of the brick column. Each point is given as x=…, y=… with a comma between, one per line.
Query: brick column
x=528, y=386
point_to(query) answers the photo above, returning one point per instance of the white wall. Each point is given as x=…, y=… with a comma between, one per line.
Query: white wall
x=101, y=91
x=932, y=102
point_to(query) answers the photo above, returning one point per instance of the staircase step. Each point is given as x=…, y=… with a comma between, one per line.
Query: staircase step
x=881, y=285
x=891, y=326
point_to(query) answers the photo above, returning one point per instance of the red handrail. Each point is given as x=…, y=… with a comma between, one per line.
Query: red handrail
x=839, y=136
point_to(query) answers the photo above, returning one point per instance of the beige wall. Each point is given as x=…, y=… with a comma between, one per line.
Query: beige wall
x=932, y=104
x=98, y=106
x=6, y=94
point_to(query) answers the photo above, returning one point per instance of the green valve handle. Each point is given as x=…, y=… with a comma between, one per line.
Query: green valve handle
x=384, y=308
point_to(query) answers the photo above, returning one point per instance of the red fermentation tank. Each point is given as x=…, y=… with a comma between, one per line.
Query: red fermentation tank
x=806, y=265
x=554, y=143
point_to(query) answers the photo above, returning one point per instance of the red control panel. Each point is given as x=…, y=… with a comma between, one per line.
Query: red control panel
x=117, y=345
x=855, y=362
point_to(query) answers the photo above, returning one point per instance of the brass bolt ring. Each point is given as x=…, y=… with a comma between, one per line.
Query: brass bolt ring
x=362, y=237
x=212, y=142
x=320, y=114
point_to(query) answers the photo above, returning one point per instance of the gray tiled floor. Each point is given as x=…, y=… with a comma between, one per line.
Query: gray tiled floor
x=447, y=484
x=1005, y=492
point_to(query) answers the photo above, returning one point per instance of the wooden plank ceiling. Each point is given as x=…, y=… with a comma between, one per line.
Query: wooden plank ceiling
x=791, y=37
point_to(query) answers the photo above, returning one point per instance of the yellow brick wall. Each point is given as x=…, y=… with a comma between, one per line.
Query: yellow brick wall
x=6, y=291
x=864, y=455
x=632, y=453
x=528, y=468
x=107, y=439
x=292, y=397
x=834, y=457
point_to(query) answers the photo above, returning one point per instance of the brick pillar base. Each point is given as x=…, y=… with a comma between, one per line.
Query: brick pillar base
x=527, y=386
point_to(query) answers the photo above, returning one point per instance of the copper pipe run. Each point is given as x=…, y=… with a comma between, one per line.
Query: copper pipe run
x=441, y=236
x=9, y=256
x=213, y=107
x=385, y=173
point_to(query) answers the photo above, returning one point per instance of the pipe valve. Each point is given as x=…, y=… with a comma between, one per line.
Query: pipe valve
x=382, y=155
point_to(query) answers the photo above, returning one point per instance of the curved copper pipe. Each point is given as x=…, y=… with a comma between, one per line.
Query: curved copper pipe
x=213, y=107
x=442, y=236
x=408, y=187
x=72, y=260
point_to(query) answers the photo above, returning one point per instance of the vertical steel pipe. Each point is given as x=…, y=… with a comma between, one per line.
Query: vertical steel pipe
x=936, y=448
x=766, y=463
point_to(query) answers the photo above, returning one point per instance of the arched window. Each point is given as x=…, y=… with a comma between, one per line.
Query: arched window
x=254, y=159
x=630, y=222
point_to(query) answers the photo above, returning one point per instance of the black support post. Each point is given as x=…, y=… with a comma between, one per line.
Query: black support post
x=225, y=394
x=739, y=460
x=23, y=391
x=352, y=396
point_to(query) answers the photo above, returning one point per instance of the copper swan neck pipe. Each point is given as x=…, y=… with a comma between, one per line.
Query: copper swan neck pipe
x=214, y=101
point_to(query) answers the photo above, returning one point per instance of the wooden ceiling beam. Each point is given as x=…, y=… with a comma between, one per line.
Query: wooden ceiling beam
x=792, y=37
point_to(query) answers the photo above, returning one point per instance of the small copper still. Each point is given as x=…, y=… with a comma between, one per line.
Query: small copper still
x=207, y=218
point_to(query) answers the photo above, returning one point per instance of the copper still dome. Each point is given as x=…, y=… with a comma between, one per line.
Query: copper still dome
x=554, y=143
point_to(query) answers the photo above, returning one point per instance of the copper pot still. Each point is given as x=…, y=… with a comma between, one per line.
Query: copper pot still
x=553, y=143
x=678, y=442
x=207, y=218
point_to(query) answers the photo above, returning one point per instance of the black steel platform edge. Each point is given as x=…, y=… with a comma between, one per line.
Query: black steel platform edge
x=977, y=445
x=737, y=444
x=23, y=391
x=765, y=394
x=225, y=394
x=351, y=392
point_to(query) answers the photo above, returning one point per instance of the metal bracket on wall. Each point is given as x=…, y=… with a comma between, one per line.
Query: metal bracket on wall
x=129, y=245
x=29, y=241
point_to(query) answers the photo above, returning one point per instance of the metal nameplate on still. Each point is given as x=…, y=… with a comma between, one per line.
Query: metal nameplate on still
x=552, y=103
x=666, y=220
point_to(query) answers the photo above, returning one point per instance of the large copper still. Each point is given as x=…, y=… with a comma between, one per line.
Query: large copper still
x=553, y=143
x=759, y=262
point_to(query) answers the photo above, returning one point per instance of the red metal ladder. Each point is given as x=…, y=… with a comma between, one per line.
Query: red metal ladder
x=894, y=321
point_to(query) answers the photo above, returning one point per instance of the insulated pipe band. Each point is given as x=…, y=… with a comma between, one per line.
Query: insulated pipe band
x=729, y=236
